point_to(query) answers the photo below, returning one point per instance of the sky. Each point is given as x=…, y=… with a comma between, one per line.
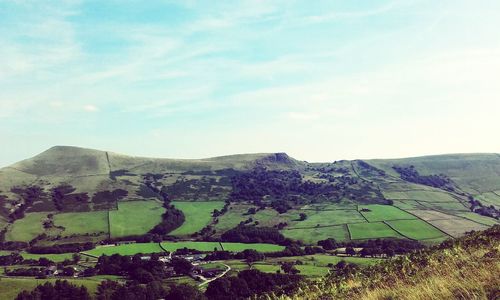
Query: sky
x=319, y=80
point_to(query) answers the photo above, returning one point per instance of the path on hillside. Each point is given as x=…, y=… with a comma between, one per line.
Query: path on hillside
x=207, y=281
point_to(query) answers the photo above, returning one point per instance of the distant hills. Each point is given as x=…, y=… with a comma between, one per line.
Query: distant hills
x=451, y=194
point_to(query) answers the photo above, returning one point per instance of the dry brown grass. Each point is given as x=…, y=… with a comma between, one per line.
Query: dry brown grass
x=467, y=269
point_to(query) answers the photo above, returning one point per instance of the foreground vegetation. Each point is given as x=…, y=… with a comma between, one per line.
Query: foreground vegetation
x=466, y=268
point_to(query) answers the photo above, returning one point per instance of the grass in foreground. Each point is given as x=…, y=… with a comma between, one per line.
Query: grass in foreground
x=466, y=268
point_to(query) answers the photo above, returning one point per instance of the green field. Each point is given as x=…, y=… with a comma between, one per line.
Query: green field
x=313, y=235
x=429, y=196
x=238, y=247
x=135, y=217
x=200, y=246
x=198, y=215
x=128, y=249
x=52, y=257
x=328, y=217
x=372, y=231
x=83, y=222
x=10, y=287
x=479, y=219
x=27, y=228
x=312, y=265
x=415, y=229
x=383, y=213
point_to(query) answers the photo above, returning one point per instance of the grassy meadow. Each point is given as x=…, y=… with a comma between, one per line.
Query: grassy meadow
x=198, y=215
x=135, y=217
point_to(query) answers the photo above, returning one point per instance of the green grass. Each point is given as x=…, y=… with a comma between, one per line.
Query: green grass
x=81, y=223
x=313, y=235
x=200, y=246
x=238, y=247
x=383, y=213
x=135, y=217
x=446, y=206
x=430, y=196
x=198, y=215
x=10, y=287
x=372, y=231
x=328, y=217
x=27, y=228
x=415, y=229
x=52, y=257
x=128, y=249
x=480, y=219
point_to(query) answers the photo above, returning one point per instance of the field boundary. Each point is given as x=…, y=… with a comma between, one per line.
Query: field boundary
x=349, y=232
x=385, y=222
x=429, y=223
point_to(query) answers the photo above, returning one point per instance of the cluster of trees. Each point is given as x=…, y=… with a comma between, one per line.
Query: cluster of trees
x=141, y=270
x=389, y=247
x=170, y=220
x=366, y=167
x=29, y=195
x=487, y=211
x=280, y=186
x=411, y=174
x=64, y=198
x=112, y=290
x=108, y=199
x=62, y=290
x=249, y=283
x=252, y=234
x=61, y=248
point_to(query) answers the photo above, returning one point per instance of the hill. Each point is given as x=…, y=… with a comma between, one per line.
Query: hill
x=466, y=268
x=70, y=194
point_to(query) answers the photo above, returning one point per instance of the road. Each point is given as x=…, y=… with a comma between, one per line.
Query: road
x=207, y=281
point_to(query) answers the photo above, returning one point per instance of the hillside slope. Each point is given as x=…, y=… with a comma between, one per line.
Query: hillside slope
x=427, y=198
x=467, y=268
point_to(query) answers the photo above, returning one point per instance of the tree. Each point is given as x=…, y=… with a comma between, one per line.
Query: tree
x=289, y=268
x=76, y=258
x=184, y=292
x=302, y=216
x=350, y=251
x=181, y=266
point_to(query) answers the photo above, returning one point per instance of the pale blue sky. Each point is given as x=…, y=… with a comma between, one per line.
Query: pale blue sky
x=320, y=80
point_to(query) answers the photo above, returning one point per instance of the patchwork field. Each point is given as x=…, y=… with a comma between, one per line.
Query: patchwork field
x=328, y=217
x=27, y=228
x=415, y=229
x=313, y=235
x=372, y=231
x=128, y=249
x=456, y=227
x=135, y=217
x=378, y=213
x=479, y=219
x=198, y=215
x=238, y=247
x=430, y=196
x=200, y=246
x=428, y=215
x=81, y=223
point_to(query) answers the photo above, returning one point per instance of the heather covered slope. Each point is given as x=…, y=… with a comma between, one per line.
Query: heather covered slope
x=466, y=268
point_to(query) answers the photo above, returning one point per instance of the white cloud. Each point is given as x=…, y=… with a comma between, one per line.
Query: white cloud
x=90, y=108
